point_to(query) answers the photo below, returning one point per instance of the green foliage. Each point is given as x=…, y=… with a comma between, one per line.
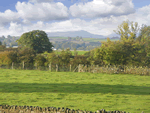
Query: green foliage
x=145, y=37
x=79, y=59
x=36, y=40
x=2, y=47
x=0, y=43
x=127, y=51
x=94, y=57
x=13, y=56
x=124, y=52
x=27, y=55
x=4, y=59
x=52, y=58
x=65, y=56
x=40, y=60
x=87, y=53
x=126, y=33
x=75, y=52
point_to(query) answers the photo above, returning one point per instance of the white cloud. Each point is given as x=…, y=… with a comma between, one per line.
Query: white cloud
x=143, y=15
x=39, y=1
x=7, y=17
x=102, y=8
x=42, y=11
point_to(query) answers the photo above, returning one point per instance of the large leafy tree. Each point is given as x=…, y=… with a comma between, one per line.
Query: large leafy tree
x=127, y=51
x=144, y=37
x=36, y=40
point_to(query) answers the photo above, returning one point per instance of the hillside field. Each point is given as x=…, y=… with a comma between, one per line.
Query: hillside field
x=84, y=91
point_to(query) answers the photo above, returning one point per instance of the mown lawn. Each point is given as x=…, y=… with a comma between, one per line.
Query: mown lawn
x=84, y=91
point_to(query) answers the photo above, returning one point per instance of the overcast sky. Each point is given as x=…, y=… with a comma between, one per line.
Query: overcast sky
x=94, y=16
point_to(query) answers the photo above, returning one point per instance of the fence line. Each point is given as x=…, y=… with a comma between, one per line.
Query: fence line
x=96, y=69
x=37, y=67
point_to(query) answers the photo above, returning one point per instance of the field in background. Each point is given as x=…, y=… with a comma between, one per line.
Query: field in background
x=80, y=52
x=84, y=91
x=59, y=37
x=86, y=39
x=96, y=40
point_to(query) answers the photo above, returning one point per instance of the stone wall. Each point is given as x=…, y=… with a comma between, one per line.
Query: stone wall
x=31, y=109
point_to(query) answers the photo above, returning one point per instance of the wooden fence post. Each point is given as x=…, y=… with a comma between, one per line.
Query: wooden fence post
x=70, y=67
x=50, y=67
x=23, y=64
x=12, y=64
x=56, y=67
x=36, y=65
x=79, y=68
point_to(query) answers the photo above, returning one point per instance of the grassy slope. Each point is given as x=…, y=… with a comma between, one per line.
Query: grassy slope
x=84, y=91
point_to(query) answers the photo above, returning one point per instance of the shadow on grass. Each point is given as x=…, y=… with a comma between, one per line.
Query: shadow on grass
x=73, y=88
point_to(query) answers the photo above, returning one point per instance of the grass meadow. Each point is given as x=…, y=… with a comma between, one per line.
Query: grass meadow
x=84, y=91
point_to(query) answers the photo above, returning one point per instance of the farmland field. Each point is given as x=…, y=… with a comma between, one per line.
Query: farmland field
x=84, y=91
x=86, y=39
x=96, y=39
x=79, y=52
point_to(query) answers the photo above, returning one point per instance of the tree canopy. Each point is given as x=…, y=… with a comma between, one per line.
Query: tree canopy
x=130, y=50
x=36, y=40
x=126, y=31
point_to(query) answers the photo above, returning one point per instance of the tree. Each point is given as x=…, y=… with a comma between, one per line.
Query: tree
x=27, y=55
x=126, y=33
x=36, y=40
x=144, y=37
x=4, y=59
x=75, y=52
x=0, y=43
x=52, y=58
x=65, y=56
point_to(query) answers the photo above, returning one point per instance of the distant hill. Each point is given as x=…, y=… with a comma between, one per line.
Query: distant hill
x=81, y=33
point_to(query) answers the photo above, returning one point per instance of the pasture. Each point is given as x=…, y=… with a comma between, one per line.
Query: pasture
x=84, y=91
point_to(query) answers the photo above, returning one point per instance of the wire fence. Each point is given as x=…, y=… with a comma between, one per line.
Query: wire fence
x=51, y=67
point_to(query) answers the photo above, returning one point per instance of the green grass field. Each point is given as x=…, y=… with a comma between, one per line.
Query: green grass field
x=58, y=37
x=79, y=52
x=84, y=91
